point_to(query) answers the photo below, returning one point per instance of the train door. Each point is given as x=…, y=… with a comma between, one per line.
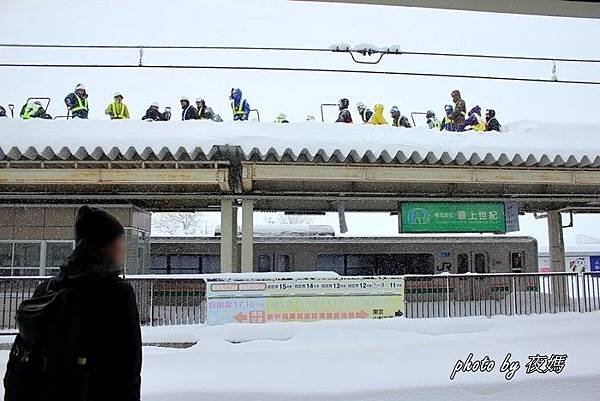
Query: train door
x=462, y=286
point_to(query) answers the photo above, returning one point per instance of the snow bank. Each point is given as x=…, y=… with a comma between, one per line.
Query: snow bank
x=519, y=138
x=374, y=360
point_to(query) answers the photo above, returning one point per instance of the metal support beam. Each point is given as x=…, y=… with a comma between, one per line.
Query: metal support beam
x=556, y=242
x=42, y=176
x=247, y=262
x=483, y=175
x=228, y=236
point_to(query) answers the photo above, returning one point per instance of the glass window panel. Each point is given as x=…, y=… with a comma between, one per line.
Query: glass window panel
x=6, y=254
x=264, y=263
x=330, y=263
x=211, y=264
x=57, y=252
x=463, y=263
x=5, y=272
x=26, y=272
x=185, y=262
x=27, y=254
x=158, y=264
x=283, y=263
x=480, y=263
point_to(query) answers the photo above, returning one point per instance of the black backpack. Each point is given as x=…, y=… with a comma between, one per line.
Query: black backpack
x=48, y=361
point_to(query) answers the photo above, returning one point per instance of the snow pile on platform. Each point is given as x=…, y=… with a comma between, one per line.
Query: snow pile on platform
x=397, y=359
x=519, y=140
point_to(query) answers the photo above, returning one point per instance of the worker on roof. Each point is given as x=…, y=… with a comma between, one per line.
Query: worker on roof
x=205, y=112
x=364, y=112
x=378, y=118
x=189, y=112
x=491, y=123
x=239, y=106
x=398, y=120
x=432, y=121
x=473, y=122
x=117, y=110
x=77, y=102
x=34, y=109
x=460, y=108
x=153, y=113
x=344, y=116
x=281, y=119
x=448, y=122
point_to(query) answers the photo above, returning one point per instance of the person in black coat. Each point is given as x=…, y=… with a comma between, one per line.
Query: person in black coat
x=153, y=114
x=188, y=112
x=109, y=320
x=491, y=122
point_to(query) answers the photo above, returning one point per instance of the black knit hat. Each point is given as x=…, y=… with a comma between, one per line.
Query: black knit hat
x=96, y=226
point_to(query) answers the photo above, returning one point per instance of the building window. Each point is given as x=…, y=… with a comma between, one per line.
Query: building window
x=56, y=253
x=330, y=263
x=27, y=254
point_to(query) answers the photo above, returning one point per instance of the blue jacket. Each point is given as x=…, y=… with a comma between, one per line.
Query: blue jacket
x=239, y=106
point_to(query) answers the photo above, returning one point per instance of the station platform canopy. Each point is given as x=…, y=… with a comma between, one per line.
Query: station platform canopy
x=297, y=167
x=558, y=8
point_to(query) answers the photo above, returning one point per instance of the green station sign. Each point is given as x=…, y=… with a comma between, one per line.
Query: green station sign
x=452, y=217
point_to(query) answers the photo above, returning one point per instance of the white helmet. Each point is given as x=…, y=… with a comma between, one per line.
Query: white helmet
x=79, y=86
x=117, y=94
x=199, y=99
x=282, y=116
x=154, y=104
x=184, y=98
x=360, y=105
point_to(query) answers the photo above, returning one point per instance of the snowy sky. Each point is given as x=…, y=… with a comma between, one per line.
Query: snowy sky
x=282, y=23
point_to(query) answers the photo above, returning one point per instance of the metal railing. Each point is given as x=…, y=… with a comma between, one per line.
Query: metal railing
x=460, y=295
x=171, y=300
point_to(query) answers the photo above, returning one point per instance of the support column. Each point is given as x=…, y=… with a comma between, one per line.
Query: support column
x=247, y=236
x=556, y=242
x=228, y=236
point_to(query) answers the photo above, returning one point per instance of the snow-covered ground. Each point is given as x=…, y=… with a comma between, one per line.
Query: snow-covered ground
x=374, y=360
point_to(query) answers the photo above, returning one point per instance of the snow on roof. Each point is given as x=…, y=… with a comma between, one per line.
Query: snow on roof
x=524, y=143
x=288, y=230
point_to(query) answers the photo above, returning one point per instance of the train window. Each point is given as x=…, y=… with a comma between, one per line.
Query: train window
x=27, y=254
x=462, y=263
x=264, y=263
x=480, y=263
x=211, y=264
x=361, y=265
x=57, y=252
x=405, y=263
x=516, y=262
x=6, y=254
x=158, y=264
x=330, y=263
x=283, y=263
x=185, y=264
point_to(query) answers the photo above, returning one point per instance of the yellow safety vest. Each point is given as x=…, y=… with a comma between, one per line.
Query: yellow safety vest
x=82, y=104
x=238, y=110
x=118, y=110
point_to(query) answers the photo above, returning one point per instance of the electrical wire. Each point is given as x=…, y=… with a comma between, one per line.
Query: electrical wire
x=302, y=69
x=301, y=49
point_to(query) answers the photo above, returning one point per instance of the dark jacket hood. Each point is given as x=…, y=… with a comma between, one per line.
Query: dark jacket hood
x=87, y=263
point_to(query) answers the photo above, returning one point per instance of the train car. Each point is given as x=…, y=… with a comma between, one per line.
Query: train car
x=354, y=255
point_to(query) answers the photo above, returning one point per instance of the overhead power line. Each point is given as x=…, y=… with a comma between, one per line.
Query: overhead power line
x=303, y=49
x=301, y=69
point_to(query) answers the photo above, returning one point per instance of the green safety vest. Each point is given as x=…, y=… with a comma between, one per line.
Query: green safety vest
x=82, y=104
x=116, y=113
x=238, y=110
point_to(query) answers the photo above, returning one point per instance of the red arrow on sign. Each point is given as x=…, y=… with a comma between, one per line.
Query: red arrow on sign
x=241, y=317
